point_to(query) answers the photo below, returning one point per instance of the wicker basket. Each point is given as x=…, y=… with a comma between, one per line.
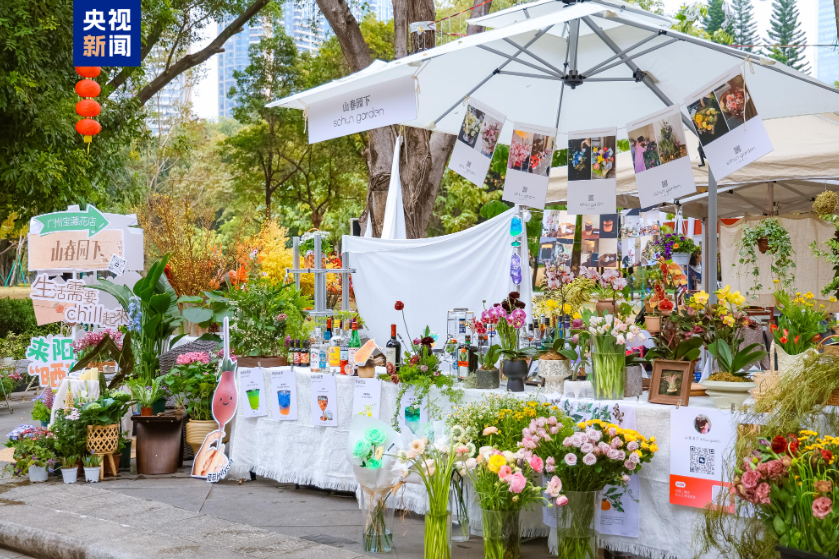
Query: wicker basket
x=102, y=439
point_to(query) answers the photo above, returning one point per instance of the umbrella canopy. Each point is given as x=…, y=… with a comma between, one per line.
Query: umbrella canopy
x=620, y=68
x=805, y=159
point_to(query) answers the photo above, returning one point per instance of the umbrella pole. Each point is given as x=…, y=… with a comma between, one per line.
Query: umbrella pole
x=711, y=254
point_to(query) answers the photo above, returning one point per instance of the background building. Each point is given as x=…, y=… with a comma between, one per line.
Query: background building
x=827, y=58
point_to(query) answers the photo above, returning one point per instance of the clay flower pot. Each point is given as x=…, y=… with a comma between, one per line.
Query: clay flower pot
x=763, y=245
x=653, y=324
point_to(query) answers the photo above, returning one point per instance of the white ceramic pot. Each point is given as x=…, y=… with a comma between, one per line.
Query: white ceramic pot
x=554, y=372
x=724, y=394
x=70, y=475
x=579, y=388
x=91, y=475
x=38, y=474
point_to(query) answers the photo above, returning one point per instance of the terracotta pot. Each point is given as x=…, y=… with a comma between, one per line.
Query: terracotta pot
x=266, y=360
x=605, y=305
x=653, y=324
x=145, y=412
x=763, y=245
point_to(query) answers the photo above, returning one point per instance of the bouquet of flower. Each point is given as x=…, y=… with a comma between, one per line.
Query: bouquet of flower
x=669, y=243
x=705, y=119
x=799, y=325
x=578, y=160
x=490, y=133
x=471, y=125
x=793, y=483
x=608, y=353
x=669, y=146
x=432, y=464
x=603, y=160
x=519, y=152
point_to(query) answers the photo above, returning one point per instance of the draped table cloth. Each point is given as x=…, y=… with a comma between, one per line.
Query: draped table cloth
x=300, y=452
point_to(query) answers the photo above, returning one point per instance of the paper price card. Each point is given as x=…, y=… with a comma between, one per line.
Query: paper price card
x=659, y=154
x=413, y=415
x=367, y=397
x=284, y=394
x=531, y=152
x=700, y=441
x=730, y=130
x=476, y=142
x=592, y=178
x=324, y=401
x=252, y=391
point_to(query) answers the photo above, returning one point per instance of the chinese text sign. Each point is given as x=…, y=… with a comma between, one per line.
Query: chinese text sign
x=106, y=33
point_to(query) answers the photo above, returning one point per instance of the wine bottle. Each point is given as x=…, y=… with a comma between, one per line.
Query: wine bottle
x=393, y=348
x=352, y=348
x=304, y=353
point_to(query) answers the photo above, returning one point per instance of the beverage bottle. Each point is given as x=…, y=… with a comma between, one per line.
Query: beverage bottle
x=467, y=357
x=304, y=354
x=353, y=346
x=314, y=351
x=344, y=344
x=323, y=349
x=537, y=337
x=334, y=351
x=393, y=348
x=295, y=350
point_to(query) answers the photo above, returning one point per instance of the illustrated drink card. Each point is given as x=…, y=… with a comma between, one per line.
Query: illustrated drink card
x=531, y=153
x=367, y=397
x=252, y=388
x=592, y=179
x=283, y=394
x=659, y=154
x=476, y=142
x=324, y=401
x=730, y=130
x=413, y=414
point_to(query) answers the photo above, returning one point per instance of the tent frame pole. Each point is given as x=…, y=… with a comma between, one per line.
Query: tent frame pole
x=711, y=256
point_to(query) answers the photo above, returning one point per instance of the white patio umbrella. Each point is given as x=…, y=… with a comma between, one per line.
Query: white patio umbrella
x=543, y=71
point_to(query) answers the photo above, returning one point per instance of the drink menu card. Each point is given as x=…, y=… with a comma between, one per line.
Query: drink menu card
x=284, y=394
x=367, y=397
x=252, y=392
x=324, y=401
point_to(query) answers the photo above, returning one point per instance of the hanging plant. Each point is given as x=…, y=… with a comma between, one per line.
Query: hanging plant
x=771, y=238
x=831, y=256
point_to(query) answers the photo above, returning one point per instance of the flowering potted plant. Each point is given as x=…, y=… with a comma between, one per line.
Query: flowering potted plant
x=597, y=454
x=89, y=342
x=69, y=469
x=509, y=317
x=608, y=354
x=193, y=381
x=729, y=385
x=676, y=247
x=793, y=484
x=799, y=326
x=34, y=452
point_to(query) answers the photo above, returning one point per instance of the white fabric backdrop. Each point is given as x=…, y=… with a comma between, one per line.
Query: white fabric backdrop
x=433, y=275
x=393, y=226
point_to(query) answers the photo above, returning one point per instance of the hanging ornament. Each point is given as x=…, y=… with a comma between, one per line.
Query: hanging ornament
x=88, y=71
x=88, y=88
x=515, y=226
x=88, y=128
x=88, y=108
x=515, y=269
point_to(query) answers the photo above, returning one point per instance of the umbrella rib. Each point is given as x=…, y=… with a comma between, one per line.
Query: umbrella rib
x=512, y=58
x=524, y=75
x=633, y=56
x=635, y=11
x=791, y=189
x=617, y=54
x=530, y=54
x=746, y=200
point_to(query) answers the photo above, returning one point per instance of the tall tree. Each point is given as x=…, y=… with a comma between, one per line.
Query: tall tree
x=715, y=18
x=785, y=35
x=425, y=153
x=743, y=24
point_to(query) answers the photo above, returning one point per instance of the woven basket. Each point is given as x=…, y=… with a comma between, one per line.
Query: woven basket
x=102, y=439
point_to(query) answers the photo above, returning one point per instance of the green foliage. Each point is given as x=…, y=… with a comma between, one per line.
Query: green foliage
x=490, y=357
x=780, y=248
x=145, y=394
x=257, y=330
x=193, y=386
x=459, y=203
x=798, y=323
x=40, y=412
x=714, y=18
x=70, y=434
x=688, y=20
x=831, y=255
x=210, y=308
x=28, y=453
x=743, y=24
x=672, y=346
x=734, y=361
x=785, y=29
x=108, y=409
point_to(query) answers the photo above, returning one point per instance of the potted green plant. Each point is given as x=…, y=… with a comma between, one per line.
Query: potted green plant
x=798, y=328
x=69, y=469
x=92, y=465
x=770, y=237
x=145, y=395
x=557, y=362
x=487, y=376
x=729, y=383
x=41, y=413
x=193, y=381
x=34, y=452
x=203, y=314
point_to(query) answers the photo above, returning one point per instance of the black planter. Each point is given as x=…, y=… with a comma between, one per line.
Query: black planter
x=515, y=371
x=788, y=553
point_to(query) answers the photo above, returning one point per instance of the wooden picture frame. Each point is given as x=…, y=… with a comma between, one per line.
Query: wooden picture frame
x=661, y=387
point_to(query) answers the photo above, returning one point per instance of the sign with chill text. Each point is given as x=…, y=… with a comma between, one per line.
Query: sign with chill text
x=363, y=109
x=106, y=33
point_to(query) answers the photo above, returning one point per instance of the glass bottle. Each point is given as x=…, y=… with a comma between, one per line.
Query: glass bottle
x=304, y=353
x=393, y=348
x=335, y=351
x=314, y=351
x=344, y=345
x=323, y=350
x=353, y=346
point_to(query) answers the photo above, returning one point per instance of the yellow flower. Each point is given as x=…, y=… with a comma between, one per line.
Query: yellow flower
x=551, y=304
x=654, y=448
x=832, y=299
x=577, y=315
x=776, y=280
x=566, y=308
x=723, y=293
x=652, y=439
x=581, y=425
x=728, y=320
x=809, y=295
x=736, y=298
x=495, y=463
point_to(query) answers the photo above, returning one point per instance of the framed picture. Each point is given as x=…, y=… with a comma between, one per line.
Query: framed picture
x=670, y=382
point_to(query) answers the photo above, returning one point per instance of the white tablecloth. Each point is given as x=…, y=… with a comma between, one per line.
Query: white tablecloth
x=299, y=452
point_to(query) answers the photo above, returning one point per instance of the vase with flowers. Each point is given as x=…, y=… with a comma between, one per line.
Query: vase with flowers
x=608, y=338
x=509, y=317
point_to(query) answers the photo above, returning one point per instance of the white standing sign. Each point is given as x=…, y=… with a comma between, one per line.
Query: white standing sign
x=731, y=132
x=252, y=391
x=379, y=105
x=367, y=397
x=476, y=142
x=659, y=154
x=529, y=164
x=592, y=177
x=283, y=394
x=413, y=415
x=324, y=401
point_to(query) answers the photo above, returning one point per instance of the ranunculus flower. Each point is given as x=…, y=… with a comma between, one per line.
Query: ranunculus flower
x=550, y=465
x=561, y=501
x=504, y=472
x=625, y=478
x=779, y=445
x=552, y=421
x=823, y=486
x=567, y=442
x=571, y=459
x=471, y=463
x=536, y=463
x=399, y=305
x=490, y=431
x=554, y=487
x=589, y=459
x=762, y=493
x=821, y=507
x=517, y=482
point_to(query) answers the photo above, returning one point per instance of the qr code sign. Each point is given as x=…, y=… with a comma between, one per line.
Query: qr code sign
x=702, y=461
x=117, y=265
x=737, y=150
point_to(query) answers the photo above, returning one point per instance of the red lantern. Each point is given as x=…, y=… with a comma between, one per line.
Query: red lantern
x=88, y=127
x=88, y=71
x=88, y=88
x=88, y=107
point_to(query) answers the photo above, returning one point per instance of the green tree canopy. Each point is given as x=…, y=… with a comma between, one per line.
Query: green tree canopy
x=743, y=24
x=785, y=33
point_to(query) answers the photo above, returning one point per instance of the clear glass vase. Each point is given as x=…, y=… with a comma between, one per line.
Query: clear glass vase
x=438, y=536
x=459, y=505
x=608, y=360
x=377, y=536
x=502, y=535
x=575, y=528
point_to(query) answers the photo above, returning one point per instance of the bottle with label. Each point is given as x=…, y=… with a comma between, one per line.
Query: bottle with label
x=353, y=346
x=537, y=337
x=467, y=357
x=314, y=350
x=323, y=350
x=335, y=351
x=305, y=356
x=344, y=344
x=294, y=353
x=393, y=348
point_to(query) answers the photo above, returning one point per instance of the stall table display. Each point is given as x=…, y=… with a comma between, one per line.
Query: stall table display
x=303, y=453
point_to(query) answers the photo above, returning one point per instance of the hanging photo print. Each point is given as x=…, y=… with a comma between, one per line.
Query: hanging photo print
x=731, y=132
x=476, y=142
x=531, y=153
x=592, y=175
x=659, y=154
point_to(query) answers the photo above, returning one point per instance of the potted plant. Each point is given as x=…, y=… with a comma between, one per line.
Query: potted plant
x=608, y=290
x=608, y=354
x=41, y=413
x=92, y=468
x=557, y=362
x=798, y=328
x=102, y=418
x=145, y=395
x=509, y=317
x=729, y=384
x=676, y=247
x=34, y=453
x=69, y=468
x=771, y=238
x=193, y=381
x=487, y=376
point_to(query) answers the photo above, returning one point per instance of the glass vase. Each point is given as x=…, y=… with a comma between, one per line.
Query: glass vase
x=608, y=359
x=502, y=535
x=459, y=505
x=377, y=536
x=575, y=530
x=438, y=536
